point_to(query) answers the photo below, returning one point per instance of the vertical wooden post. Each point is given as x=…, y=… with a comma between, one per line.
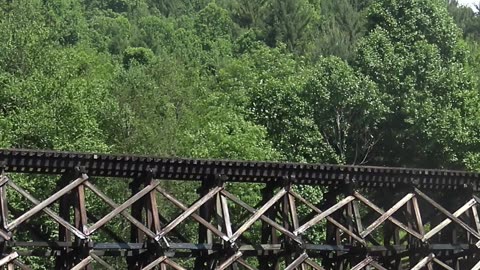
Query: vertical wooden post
x=80, y=220
x=353, y=219
x=332, y=233
x=3, y=202
x=291, y=223
x=3, y=212
x=152, y=215
x=410, y=217
x=469, y=261
x=447, y=234
x=224, y=224
x=269, y=234
x=287, y=225
x=204, y=235
x=414, y=222
x=145, y=210
x=135, y=261
x=65, y=260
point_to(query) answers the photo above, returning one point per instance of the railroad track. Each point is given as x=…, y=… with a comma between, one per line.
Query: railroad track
x=131, y=166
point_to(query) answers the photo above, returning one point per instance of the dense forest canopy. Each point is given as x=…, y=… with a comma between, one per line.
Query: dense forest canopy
x=379, y=82
x=350, y=81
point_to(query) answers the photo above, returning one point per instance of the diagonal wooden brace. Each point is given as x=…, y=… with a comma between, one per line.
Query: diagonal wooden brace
x=476, y=266
x=101, y=261
x=297, y=262
x=324, y=214
x=314, y=265
x=377, y=266
x=188, y=212
x=194, y=216
x=258, y=214
x=329, y=219
x=112, y=204
x=423, y=262
x=229, y=261
x=447, y=221
x=48, y=211
x=449, y=215
x=81, y=265
x=39, y=207
x=262, y=217
x=442, y=264
x=89, y=259
x=4, y=208
x=363, y=263
x=156, y=262
x=226, y=215
x=386, y=215
x=173, y=264
x=10, y=257
x=122, y=207
x=245, y=264
x=390, y=218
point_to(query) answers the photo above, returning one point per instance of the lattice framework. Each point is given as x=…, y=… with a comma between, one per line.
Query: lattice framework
x=401, y=226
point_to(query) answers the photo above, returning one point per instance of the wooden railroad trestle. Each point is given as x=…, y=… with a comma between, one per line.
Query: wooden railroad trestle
x=408, y=219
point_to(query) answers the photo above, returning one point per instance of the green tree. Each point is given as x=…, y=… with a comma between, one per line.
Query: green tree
x=156, y=33
x=214, y=31
x=24, y=38
x=154, y=98
x=291, y=22
x=346, y=107
x=414, y=53
x=342, y=24
x=111, y=34
x=67, y=18
x=266, y=83
x=466, y=18
x=248, y=13
x=140, y=55
x=177, y=8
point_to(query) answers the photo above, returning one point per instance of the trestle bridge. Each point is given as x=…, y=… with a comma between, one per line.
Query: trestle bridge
x=241, y=215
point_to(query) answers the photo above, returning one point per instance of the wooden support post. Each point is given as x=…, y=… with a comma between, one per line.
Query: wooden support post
x=291, y=221
x=332, y=233
x=135, y=261
x=353, y=220
x=203, y=260
x=268, y=260
x=412, y=241
x=224, y=223
x=66, y=259
x=285, y=214
x=3, y=200
x=81, y=223
x=469, y=260
x=4, y=212
x=153, y=218
x=473, y=258
x=447, y=233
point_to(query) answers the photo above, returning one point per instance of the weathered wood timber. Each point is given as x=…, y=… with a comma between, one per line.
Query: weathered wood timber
x=370, y=217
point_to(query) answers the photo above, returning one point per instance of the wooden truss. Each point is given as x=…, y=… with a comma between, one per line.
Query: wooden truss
x=349, y=227
x=349, y=241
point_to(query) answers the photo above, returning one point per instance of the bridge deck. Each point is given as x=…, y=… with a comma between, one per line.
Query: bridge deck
x=55, y=162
